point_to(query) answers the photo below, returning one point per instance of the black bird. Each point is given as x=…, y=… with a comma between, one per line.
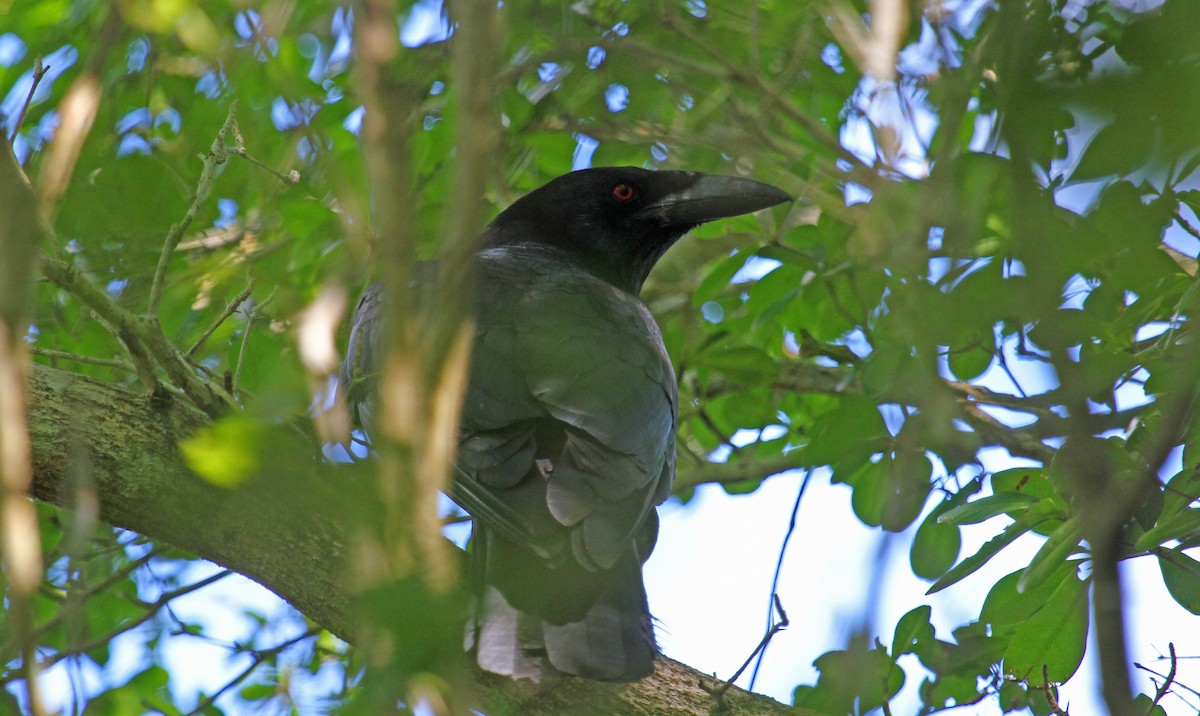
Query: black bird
x=567, y=441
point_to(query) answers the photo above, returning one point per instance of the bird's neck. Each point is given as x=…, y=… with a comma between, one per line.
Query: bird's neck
x=626, y=272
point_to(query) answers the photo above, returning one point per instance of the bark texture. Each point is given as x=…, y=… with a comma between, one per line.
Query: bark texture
x=93, y=437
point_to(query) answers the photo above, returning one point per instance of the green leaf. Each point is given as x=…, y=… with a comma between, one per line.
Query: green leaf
x=1174, y=527
x=866, y=677
x=1031, y=481
x=934, y=548
x=1054, y=637
x=986, y=508
x=1145, y=706
x=1183, y=488
x=914, y=628
x=1116, y=150
x=257, y=692
x=970, y=363
x=848, y=434
x=1181, y=574
x=145, y=692
x=1038, y=704
x=907, y=490
x=1052, y=554
x=226, y=452
x=870, y=492
x=1006, y=606
x=968, y=566
x=718, y=279
x=742, y=364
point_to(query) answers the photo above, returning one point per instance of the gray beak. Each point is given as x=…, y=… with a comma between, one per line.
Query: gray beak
x=711, y=197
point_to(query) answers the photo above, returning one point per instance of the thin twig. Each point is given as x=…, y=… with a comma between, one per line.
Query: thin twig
x=291, y=178
x=1186, y=225
x=708, y=422
x=98, y=588
x=259, y=657
x=75, y=358
x=235, y=379
x=718, y=691
x=779, y=568
x=151, y=609
x=141, y=333
x=229, y=309
x=217, y=154
x=1051, y=697
x=1168, y=680
x=39, y=71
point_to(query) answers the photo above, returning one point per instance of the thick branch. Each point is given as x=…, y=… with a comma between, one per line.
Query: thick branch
x=296, y=546
x=740, y=470
x=143, y=485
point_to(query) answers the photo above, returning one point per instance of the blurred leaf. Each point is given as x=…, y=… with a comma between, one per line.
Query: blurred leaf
x=1144, y=705
x=846, y=435
x=1184, y=487
x=225, y=453
x=743, y=364
x=856, y=676
x=257, y=692
x=935, y=546
x=717, y=279
x=988, y=507
x=1116, y=150
x=1024, y=481
x=146, y=690
x=908, y=489
x=970, y=363
x=870, y=483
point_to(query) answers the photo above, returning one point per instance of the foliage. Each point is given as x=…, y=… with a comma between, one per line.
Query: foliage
x=994, y=248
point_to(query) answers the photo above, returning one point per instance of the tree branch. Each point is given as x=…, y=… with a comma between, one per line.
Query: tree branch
x=296, y=547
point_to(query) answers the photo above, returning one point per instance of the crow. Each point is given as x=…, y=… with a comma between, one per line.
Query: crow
x=567, y=437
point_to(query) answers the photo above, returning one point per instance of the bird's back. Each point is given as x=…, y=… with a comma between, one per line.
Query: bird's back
x=567, y=445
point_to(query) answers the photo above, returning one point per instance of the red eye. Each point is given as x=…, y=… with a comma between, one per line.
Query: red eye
x=623, y=192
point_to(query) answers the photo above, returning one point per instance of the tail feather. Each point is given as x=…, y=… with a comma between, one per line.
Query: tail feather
x=533, y=620
x=501, y=645
x=609, y=644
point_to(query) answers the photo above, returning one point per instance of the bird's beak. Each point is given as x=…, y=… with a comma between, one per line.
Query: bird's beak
x=711, y=197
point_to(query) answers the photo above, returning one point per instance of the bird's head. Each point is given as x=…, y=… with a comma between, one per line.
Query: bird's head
x=618, y=221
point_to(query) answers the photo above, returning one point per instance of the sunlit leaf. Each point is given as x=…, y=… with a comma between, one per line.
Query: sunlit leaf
x=1181, y=574
x=1054, y=637
x=1036, y=515
x=227, y=452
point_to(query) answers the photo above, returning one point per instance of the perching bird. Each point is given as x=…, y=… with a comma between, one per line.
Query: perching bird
x=567, y=439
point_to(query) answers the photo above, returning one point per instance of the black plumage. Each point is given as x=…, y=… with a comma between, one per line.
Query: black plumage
x=567, y=439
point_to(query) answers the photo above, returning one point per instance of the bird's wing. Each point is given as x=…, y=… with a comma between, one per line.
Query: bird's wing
x=569, y=419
